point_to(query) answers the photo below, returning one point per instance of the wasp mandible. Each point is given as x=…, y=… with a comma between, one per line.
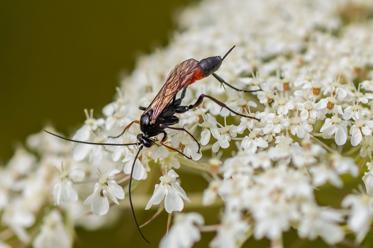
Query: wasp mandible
x=160, y=115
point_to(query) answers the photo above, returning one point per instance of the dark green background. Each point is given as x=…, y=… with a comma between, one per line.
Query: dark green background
x=59, y=57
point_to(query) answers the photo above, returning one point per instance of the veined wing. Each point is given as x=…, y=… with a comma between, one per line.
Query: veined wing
x=180, y=77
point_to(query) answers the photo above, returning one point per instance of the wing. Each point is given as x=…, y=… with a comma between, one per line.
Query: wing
x=181, y=76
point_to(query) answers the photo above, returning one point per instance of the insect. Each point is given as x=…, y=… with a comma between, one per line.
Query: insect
x=160, y=115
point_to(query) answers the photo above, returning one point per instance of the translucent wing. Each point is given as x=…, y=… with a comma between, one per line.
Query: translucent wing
x=182, y=75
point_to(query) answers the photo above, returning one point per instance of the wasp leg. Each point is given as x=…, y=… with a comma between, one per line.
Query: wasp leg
x=142, y=108
x=125, y=129
x=223, y=105
x=221, y=80
x=177, y=102
x=191, y=135
x=164, y=138
x=176, y=150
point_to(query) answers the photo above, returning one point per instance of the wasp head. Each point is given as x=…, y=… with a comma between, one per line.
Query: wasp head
x=210, y=65
x=147, y=142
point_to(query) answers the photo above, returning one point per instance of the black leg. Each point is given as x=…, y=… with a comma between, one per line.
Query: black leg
x=177, y=102
x=183, y=93
x=164, y=138
x=142, y=108
x=221, y=80
x=181, y=109
x=223, y=105
x=174, y=149
x=125, y=129
x=191, y=135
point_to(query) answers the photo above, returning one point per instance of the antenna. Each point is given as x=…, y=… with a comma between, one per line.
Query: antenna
x=130, y=196
x=91, y=143
x=230, y=50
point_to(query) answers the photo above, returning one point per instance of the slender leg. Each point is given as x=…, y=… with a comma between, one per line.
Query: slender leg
x=164, y=138
x=221, y=80
x=176, y=150
x=223, y=105
x=125, y=129
x=183, y=93
x=177, y=102
x=191, y=135
x=142, y=108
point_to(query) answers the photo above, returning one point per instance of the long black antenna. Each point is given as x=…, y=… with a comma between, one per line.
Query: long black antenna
x=130, y=196
x=91, y=143
x=229, y=51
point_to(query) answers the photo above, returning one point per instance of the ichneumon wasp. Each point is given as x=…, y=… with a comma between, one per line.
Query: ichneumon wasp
x=160, y=115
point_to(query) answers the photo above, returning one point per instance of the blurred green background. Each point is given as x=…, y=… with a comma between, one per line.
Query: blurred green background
x=59, y=57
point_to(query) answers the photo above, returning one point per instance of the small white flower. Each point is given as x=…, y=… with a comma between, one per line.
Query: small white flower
x=53, y=233
x=231, y=231
x=366, y=149
x=19, y=217
x=337, y=127
x=322, y=174
x=367, y=85
x=222, y=133
x=273, y=124
x=170, y=190
x=300, y=128
x=308, y=111
x=360, y=128
x=139, y=170
x=361, y=214
x=63, y=190
x=86, y=133
x=211, y=193
x=251, y=142
x=344, y=165
x=22, y=162
x=323, y=222
x=184, y=232
x=368, y=179
x=355, y=112
x=107, y=188
x=283, y=104
x=282, y=149
x=183, y=139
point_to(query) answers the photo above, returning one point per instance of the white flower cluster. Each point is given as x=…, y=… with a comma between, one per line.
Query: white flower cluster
x=314, y=64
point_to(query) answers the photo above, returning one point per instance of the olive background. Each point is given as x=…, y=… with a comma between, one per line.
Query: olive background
x=59, y=57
